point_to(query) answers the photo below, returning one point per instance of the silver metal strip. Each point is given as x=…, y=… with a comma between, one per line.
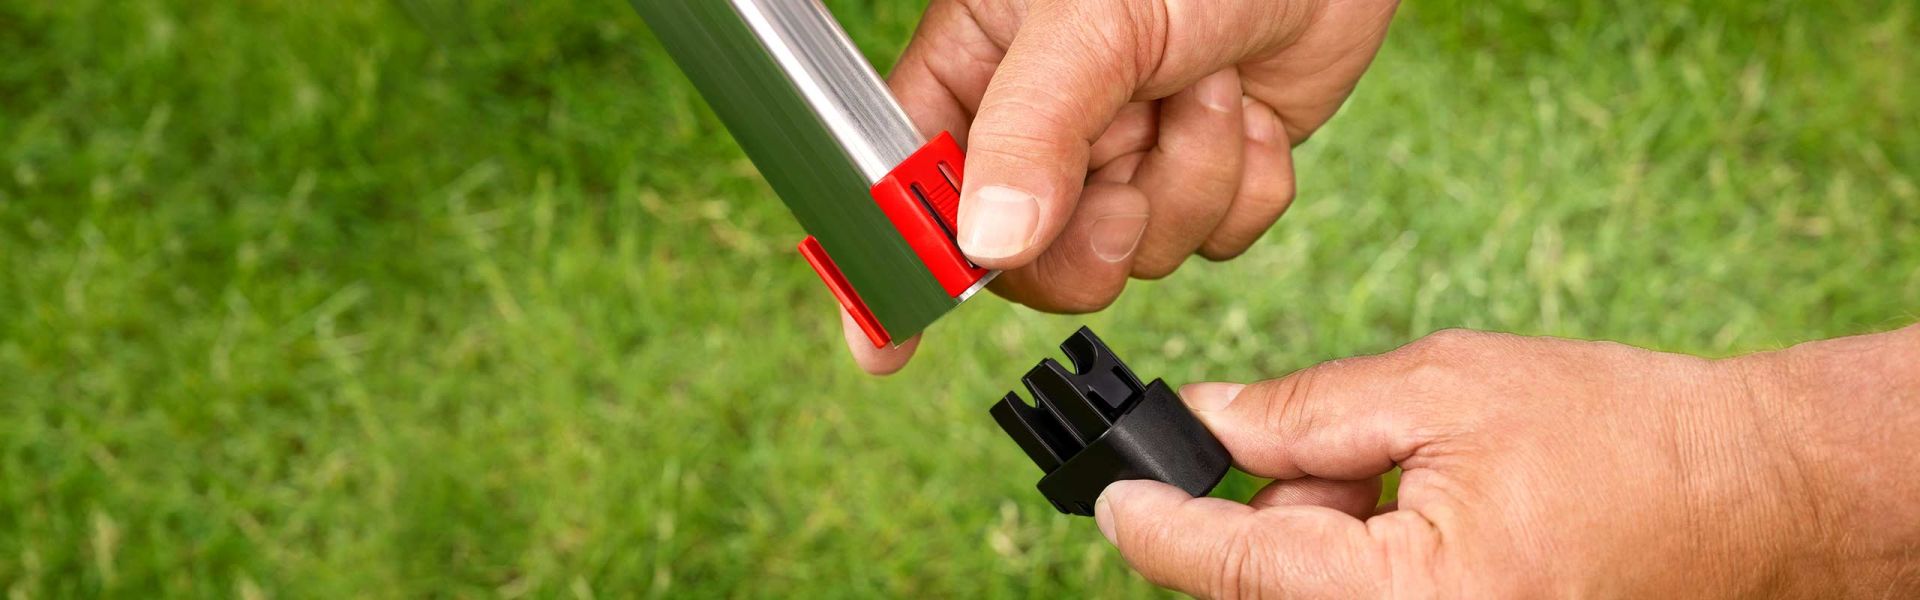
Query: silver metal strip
x=836, y=80
x=977, y=286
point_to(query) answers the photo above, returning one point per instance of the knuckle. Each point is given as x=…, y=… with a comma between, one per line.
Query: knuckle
x=1228, y=245
x=1267, y=199
x=1298, y=134
x=1026, y=105
x=1455, y=336
x=1073, y=300
x=1282, y=408
x=1139, y=25
x=1053, y=284
x=1223, y=251
x=1428, y=375
x=1203, y=165
x=1127, y=36
x=1154, y=552
x=1250, y=216
x=1155, y=265
x=1149, y=269
x=1133, y=131
x=1016, y=127
x=1437, y=360
x=1152, y=27
x=1241, y=565
x=1445, y=345
x=1410, y=544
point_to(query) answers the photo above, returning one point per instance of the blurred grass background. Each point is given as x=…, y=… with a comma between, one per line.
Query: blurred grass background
x=475, y=298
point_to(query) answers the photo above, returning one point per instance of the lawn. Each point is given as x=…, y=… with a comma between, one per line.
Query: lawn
x=476, y=298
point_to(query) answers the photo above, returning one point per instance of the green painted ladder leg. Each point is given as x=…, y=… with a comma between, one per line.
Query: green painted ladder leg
x=822, y=128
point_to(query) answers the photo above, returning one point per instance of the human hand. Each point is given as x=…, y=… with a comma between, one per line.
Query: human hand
x=1541, y=467
x=1109, y=138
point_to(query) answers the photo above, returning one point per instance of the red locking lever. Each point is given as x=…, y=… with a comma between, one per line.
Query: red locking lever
x=921, y=196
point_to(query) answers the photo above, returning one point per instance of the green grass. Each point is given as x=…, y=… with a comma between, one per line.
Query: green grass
x=429, y=297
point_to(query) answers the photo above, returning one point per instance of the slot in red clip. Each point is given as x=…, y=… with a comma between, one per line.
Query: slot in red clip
x=921, y=197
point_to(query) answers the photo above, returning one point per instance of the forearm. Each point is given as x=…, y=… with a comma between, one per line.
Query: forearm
x=1847, y=414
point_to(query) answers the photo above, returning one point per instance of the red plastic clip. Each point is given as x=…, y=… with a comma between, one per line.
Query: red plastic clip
x=921, y=196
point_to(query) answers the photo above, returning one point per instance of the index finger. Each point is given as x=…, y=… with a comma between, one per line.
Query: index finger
x=875, y=361
x=1347, y=419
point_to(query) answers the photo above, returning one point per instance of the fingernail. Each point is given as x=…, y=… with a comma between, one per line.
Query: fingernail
x=1103, y=517
x=1000, y=222
x=1219, y=90
x=1210, y=397
x=1258, y=121
x=1115, y=236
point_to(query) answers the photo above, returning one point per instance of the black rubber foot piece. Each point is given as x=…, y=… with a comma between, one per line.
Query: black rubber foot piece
x=1096, y=424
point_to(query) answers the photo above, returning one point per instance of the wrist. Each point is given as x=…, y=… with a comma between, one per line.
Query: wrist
x=1839, y=422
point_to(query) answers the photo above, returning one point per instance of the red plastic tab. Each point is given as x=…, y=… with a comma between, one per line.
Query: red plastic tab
x=830, y=273
x=921, y=197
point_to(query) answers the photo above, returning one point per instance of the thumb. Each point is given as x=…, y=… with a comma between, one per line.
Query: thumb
x=1211, y=548
x=1067, y=72
x=1057, y=89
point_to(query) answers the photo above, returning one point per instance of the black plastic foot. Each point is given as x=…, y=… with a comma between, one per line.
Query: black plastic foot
x=1096, y=424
